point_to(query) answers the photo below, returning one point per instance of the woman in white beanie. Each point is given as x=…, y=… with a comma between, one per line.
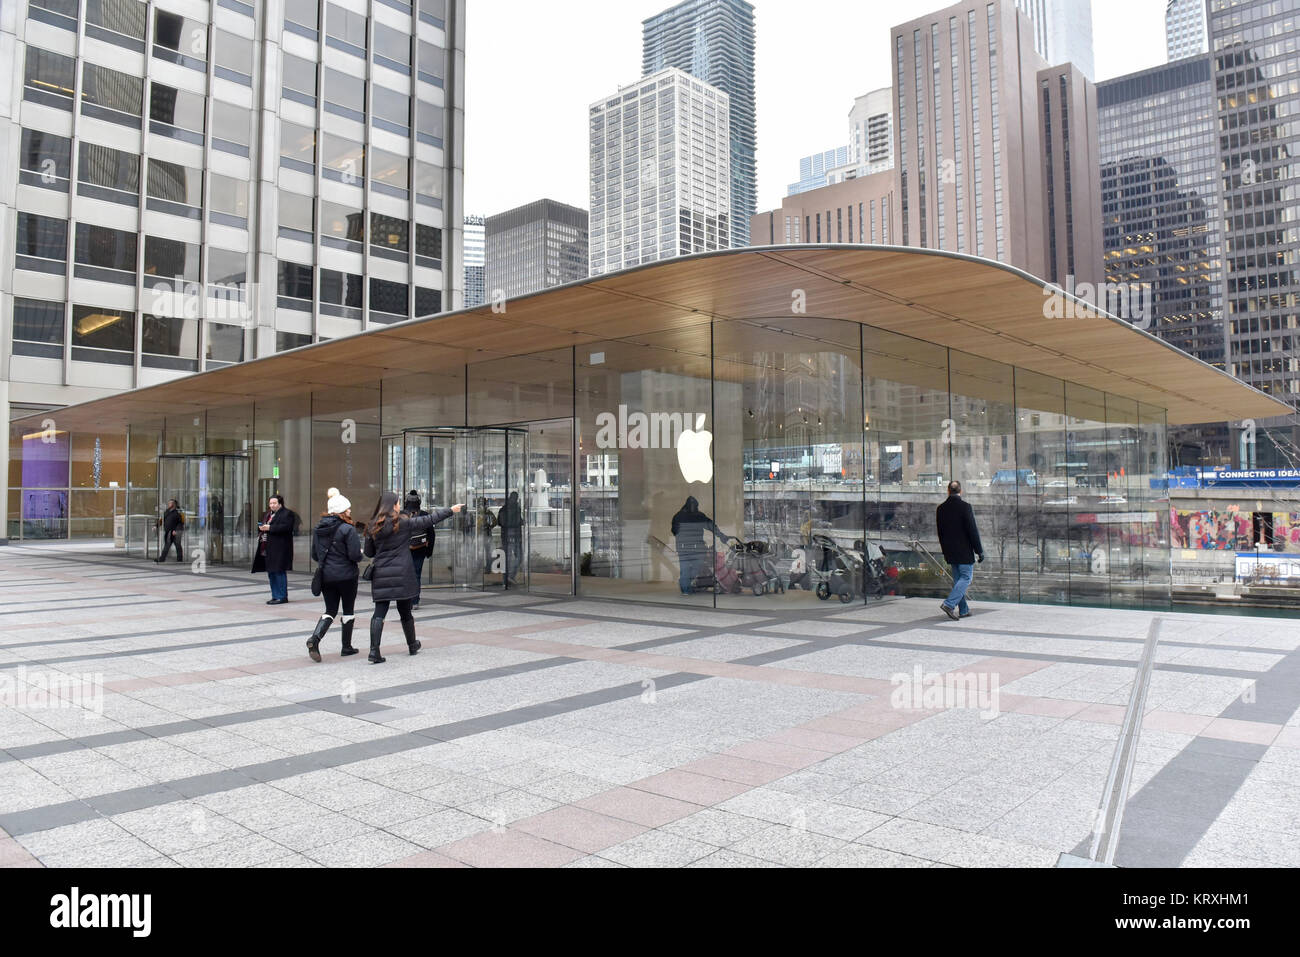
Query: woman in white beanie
x=336, y=547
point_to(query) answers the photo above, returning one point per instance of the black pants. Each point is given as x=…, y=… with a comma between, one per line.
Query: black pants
x=171, y=539
x=403, y=610
x=336, y=592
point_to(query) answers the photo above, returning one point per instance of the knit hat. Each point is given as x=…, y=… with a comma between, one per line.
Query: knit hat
x=337, y=504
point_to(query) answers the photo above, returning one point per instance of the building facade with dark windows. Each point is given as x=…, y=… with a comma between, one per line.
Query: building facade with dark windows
x=815, y=441
x=198, y=184
x=534, y=247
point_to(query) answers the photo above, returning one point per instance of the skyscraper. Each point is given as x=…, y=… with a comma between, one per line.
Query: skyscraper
x=194, y=189
x=534, y=247
x=1062, y=31
x=1160, y=199
x=660, y=180
x=1185, y=29
x=475, y=244
x=1252, y=45
x=813, y=169
x=976, y=143
x=871, y=132
x=713, y=40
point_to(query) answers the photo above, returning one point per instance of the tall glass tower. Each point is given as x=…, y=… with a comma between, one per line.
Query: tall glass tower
x=713, y=41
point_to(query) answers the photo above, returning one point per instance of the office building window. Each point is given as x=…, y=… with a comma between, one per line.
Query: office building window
x=226, y=267
x=231, y=128
x=389, y=301
x=428, y=302
x=38, y=328
x=390, y=110
x=428, y=184
x=341, y=294
x=170, y=260
x=233, y=57
x=389, y=173
x=58, y=13
x=120, y=22
x=342, y=159
x=342, y=226
x=428, y=246
x=431, y=63
x=175, y=113
x=108, y=174
x=41, y=243
x=345, y=95
x=434, y=12
x=169, y=342
x=297, y=147
x=302, y=17
x=299, y=80
x=345, y=30
x=101, y=334
x=225, y=344
x=389, y=236
x=105, y=254
x=109, y=95
x=49, y=78
x=392, y=49
x=228, y=201
x=284, y=341
x=429, y=123
x=44, y=160
x=173, y=188
x=180, y=40
x=295, y=283
x=297, y=216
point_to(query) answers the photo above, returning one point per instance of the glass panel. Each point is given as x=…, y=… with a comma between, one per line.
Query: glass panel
x=109, y=168
x=343, y=223
x=226, y=267
x=389, y=232
x=346, y=91
x=298, y=143
x=225, y=343
x=170, y=259
x=175, y=183
x=189, y=38
x=49, y=72
x=110, y=89
x=393, y=44
x=38, y=321
x=303, y=12
x=1152, y=492
x=176, y=107
x=389, y=169
x=98, y=459
x=228, y=195
x=42, y=237
x=344, y=156
x=231, y=123
x=170, y=336
x=300, y=75
x=105, y=247
x=233, y=53
x=389, y=297
x=126, y=17
x=97, y=327
x=297, y=212
x=48, y=155
x=547, y=499
x=1090, y=503
x=633, y=482
x=1044, y=506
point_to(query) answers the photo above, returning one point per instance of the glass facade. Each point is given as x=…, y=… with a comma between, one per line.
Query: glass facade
x=815, y=450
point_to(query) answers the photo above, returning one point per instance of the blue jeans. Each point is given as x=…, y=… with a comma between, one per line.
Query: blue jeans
x=279, y=584
x=961, y=579
x=692, y=563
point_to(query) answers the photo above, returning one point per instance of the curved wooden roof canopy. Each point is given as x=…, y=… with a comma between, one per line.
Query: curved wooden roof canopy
x=974, y=305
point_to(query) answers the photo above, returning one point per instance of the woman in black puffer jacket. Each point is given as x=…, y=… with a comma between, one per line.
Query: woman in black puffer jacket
x=336, y=547
x=388, y=542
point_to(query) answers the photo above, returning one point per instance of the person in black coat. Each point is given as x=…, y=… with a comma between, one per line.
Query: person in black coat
x=421, y=544
x=512, y=535
x=960, y=541
x=693, y=554
x=336, y=547
x=275, y=549
x=388, y=542
x=173, y=526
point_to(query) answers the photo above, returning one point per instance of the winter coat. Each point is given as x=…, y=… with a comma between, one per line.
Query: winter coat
x=172, y=520
x=689, y=526
x=394, y=578
x=339, y=561
x=958, y=536
x=278, y=556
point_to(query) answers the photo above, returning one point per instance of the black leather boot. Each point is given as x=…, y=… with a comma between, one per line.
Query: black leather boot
x=376, y=633
x=408, y=629
x=347, y=639
x=313, y=643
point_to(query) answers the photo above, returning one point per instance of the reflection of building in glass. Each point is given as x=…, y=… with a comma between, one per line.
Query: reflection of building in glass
x=1160, y=199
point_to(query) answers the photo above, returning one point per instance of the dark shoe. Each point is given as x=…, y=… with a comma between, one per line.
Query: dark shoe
x=408, y=629
x=313, y=643
x=950, y=612
x=278, y=601
x=347, y=640
x=966, y=615
x=376, y=633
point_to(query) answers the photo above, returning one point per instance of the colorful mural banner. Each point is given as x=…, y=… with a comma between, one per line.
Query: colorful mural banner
x=1231, y=529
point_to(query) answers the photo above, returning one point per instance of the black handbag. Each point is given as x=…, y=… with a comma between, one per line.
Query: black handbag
x=318, y=579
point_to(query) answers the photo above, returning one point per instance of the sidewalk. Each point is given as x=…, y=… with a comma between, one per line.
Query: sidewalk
x=545, y=732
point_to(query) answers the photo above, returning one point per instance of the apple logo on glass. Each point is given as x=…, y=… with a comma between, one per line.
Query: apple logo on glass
x=693, y=455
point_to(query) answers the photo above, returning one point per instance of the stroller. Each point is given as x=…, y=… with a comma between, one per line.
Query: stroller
x=753, y=565
x=719, y=579
x=836, y=570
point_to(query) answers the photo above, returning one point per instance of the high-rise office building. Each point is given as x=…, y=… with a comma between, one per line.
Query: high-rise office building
x=980, y=123
x=1062, y=31
x=813, y=169
x=871, y=132
x=1257, y=85
x=1160, y=199
x=199, y=187
x=713, y=40
x=475, y=245
x=660, y=180
x=1185, y=33
x=536, y=246
x=857, y=210
x=196, y=184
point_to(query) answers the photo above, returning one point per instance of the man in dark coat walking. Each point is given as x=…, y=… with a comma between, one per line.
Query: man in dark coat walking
x=694, y=555
x=960, y=541
x=173, y=526
x=275, y=549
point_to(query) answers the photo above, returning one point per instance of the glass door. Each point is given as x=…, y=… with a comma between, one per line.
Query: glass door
x=212, y=491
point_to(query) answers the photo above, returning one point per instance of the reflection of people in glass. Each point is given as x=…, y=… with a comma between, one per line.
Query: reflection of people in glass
x=694, y=556
x=217, y=528
x=485, y=521
x=512, y=535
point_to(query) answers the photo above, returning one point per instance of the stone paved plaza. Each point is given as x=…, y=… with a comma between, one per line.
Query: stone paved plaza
x=580, y=733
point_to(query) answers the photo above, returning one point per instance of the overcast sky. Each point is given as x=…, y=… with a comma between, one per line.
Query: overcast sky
x=534, y=68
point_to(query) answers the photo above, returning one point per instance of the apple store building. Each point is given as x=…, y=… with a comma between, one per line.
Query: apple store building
x=755, y=427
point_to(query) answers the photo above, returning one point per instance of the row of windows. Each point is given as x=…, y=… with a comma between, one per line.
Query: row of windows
x=339, y=289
